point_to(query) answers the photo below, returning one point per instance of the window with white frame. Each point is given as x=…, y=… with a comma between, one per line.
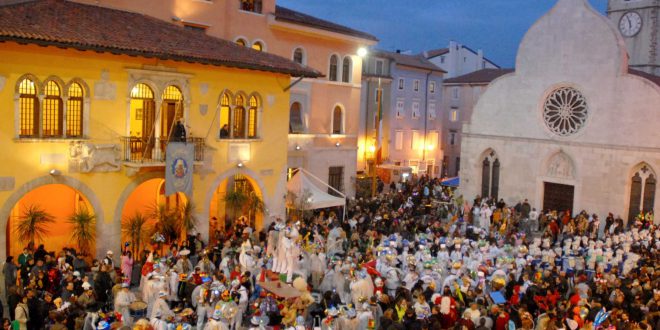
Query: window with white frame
x=415, y=141
x=453, y=115
x=455, y=93
x=379, y=67
x=415, y=110
x=432, y=140
x=299, y=55
x=416, y=85
x=431, y=111
x=432, y=87
x=398, y=140
x=401, y=83
x=399, y=108
x=346, y=69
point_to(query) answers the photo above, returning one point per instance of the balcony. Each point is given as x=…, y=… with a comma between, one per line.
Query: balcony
x=135, y=149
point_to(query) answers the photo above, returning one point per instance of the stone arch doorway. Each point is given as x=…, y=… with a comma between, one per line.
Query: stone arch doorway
x=148, y=201
x=60, y=202
x=238, y=197
x=559, y=183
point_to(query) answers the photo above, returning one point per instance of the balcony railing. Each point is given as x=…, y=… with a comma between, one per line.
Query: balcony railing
x=138, y=150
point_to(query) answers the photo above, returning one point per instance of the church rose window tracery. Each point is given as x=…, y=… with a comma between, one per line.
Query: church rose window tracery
x=565, y=111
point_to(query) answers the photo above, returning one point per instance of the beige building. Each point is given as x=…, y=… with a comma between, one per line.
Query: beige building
x=460, y=96
x=324, y=112
x=573, y=127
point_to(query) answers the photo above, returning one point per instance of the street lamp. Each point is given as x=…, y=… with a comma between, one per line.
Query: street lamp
x=362, y=52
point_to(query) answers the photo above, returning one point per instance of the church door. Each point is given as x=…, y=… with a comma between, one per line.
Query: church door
x=558, y=196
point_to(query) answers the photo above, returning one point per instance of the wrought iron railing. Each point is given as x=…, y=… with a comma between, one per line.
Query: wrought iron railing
x=138, y=150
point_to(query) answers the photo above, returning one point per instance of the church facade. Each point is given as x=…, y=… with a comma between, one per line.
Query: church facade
x=573, y=127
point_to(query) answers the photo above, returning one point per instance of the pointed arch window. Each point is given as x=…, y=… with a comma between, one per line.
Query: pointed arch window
x=252, y=117
x=74, y=111
x=238, y=116
x=346, y=70
x=332, y=71
x=642, y=192
x=490, y=176
x=29, y=109
x=52, y=110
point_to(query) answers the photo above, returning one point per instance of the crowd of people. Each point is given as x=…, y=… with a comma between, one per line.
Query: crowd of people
x=413, y=257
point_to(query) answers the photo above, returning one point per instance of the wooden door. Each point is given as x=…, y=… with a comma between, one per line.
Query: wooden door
x=558, y=196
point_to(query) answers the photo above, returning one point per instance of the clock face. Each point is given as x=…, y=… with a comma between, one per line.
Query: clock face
x=630, y=24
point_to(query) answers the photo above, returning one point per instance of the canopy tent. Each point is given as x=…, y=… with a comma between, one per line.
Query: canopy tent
x=302, y=186
x=451, y=182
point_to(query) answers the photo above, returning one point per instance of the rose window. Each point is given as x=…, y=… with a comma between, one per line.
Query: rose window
x=565, y=111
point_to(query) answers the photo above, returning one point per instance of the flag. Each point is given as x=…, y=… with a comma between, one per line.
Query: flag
x=179, y=158
x=379, y=128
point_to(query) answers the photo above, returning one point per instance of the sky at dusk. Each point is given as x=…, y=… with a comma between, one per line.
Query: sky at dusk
x=496, y=26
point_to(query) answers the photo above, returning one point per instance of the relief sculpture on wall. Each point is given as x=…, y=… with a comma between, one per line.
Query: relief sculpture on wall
x=560, y=166
x=88, y=157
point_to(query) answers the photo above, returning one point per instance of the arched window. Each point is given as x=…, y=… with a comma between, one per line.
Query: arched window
x=171, y=110
x=490, y=176
x=346, y=70
x=252, y=117
x=52, y=110
x=225, y=117
x=295, y=118
x=241, y=42
x=29, y=109
x=298, y=55
x=332, y=71
x=74, y=111
x=238, y=116
x=258, y=46
x=337, y=120
x=143, y=117
x=642, y=192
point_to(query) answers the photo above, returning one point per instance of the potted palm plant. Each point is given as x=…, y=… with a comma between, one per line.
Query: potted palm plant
x=33, y=224
x=255, y=205
x=235, y=201
x=135, y=230
x=84, y=228
x=167, y=223
x=187, y=216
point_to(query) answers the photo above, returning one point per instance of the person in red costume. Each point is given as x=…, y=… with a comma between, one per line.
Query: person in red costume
x=502, y=320
x=448, y=312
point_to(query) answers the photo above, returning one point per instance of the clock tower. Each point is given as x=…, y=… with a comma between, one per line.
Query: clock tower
x=638, y=23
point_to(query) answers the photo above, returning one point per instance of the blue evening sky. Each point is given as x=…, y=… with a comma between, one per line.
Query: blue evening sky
x=496, y=26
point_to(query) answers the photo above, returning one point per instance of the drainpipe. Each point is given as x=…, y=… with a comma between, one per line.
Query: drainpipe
x=426, y=115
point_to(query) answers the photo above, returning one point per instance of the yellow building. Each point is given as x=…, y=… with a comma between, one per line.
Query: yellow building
x=90, y=96
x=325, y=111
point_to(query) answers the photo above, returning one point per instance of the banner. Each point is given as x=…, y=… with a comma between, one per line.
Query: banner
x=179, y=159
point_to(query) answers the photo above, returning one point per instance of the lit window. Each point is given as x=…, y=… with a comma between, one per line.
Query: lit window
x=337, y=119
x=346, y=70
x=453, y=115
x=252, y=117
x=332, y=71
x=238, y=115
x=171, y=110
x=398, y=140
x=74, y=111
x=258, y=46
x=241, y=42
x=251, y=5
x=225, y=117
x=400, y=83
x=29, y=109
x=298, y=56
x=52, y=111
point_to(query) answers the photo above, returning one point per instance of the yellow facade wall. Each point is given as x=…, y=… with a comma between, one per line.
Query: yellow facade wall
x=28, y=161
